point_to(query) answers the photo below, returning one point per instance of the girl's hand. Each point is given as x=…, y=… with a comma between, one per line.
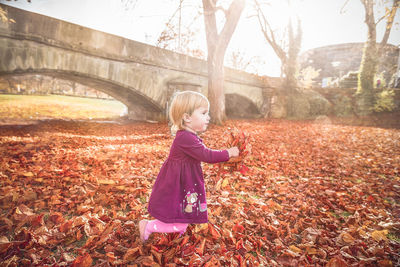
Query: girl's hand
x=233, y=152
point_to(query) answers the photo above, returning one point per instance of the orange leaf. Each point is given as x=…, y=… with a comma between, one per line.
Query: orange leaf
x=83, y=261
x=214, y=233
x=379, y=235
x=200, y=249
x=106, y=182
x=65, y=227
x=131, y=254
x=28, y=174
x=184, y=240
x=347, y=238
x=295, y=249
x=337, y=262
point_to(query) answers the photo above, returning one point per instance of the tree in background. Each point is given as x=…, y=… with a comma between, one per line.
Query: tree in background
x=287, y=48
x=3, y=14
x=307, y=76
x=4, y=18
x=240, y=60
x=217, y=43
x=372, y=53
x=182, y=37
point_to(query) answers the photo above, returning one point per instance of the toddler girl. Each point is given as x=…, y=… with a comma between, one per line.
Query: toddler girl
x=178, y=196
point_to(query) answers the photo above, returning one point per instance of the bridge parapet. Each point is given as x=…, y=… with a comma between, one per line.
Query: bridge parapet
x=137, y=74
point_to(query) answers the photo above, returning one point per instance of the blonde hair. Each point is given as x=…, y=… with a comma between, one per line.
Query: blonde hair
x=185, y=102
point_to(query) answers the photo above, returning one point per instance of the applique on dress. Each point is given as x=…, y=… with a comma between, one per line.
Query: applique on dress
x=203, y=207
x=191, y=202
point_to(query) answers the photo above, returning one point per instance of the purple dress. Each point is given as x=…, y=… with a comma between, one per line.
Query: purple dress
x=178, y=194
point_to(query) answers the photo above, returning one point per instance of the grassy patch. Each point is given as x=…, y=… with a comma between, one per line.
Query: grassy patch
x=32, y=107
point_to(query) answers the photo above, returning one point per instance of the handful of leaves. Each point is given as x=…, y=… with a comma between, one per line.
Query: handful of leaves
x=239, y=139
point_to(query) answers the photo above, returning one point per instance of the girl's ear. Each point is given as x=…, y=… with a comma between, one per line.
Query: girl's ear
x=186, y=117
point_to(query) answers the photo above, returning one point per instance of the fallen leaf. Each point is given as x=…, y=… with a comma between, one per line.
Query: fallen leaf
x=379, y=235
x=311, y=197
x=336, y=262
x=295, y=249
x=347, y=238
x=83, y=261
x=106, y=182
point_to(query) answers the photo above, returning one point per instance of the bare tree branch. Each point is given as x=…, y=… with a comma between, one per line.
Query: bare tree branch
x=288, y=53
x=345, y=3
x=269, y=33
x=215, y=8
x=233, y=12
x=389, y=23
x=369, y=15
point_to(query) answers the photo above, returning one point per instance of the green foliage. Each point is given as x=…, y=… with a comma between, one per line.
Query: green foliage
x=384, y=101
x=4, y=18
x=366, y=75
x=367, y=69
x=394, y=237
x=342, y=106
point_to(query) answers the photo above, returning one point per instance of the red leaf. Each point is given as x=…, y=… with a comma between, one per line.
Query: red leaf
x=239, y=139
x=214, y=233
x=238, y=228
x=239, y=244
x=243, y=169
x=184, y=240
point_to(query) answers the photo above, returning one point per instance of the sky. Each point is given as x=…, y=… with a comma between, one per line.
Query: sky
x=324, y=22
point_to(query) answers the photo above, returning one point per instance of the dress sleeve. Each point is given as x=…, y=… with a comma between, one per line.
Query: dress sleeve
x=192, y=146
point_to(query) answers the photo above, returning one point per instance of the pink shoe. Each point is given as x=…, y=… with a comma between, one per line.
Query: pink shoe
x=142, y=228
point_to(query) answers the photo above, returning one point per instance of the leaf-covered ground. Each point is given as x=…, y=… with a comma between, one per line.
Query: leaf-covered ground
x=72, y=193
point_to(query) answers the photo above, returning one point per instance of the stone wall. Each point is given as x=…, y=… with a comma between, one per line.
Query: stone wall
x=338, y=60
x=139, y=75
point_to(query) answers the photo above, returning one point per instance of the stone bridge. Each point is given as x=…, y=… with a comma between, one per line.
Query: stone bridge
x=141, y=76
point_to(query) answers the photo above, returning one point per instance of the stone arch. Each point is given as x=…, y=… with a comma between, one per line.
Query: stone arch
x=140, y=107
x=142, y=73
x=239, y=106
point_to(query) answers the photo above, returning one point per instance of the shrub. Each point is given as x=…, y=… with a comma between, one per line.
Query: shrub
x=384, y=101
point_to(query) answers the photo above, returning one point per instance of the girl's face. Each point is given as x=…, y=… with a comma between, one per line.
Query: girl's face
x=198, y=121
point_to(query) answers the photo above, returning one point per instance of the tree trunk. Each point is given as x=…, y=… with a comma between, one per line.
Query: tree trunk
x=216, y=93
x=368, y=68
x=292, y=55
x=370, y=58
x=216, y=48
x=365, y=97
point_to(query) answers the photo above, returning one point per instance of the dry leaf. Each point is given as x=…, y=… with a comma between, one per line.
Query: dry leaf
x=86, y=186
x=379, y=235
